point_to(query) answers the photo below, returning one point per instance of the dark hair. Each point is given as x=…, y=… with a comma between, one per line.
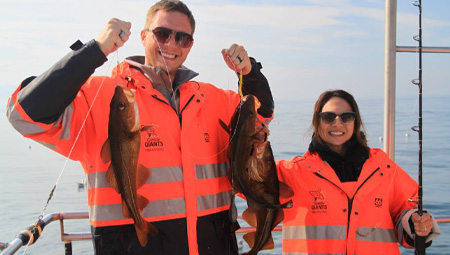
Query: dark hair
x=170, y=6
x=358, y=131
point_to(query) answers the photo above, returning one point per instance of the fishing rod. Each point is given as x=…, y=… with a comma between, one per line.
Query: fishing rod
x=419, y=241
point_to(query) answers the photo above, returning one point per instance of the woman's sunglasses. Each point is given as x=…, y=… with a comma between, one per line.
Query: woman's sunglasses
x=330, y=117
x=163, y=34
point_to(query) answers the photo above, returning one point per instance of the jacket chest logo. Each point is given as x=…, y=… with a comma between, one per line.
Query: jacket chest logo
x=319, y=204
x=153, y=142
x=378, y=202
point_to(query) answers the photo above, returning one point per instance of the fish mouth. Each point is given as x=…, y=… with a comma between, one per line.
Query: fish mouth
x=136, y=126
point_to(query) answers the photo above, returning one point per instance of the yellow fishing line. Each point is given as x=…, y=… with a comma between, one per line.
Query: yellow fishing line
x=240, y=85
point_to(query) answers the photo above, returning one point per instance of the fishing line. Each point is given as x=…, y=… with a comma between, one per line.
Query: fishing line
x=238, y=118
x=50, y=196
x=168, y=74
x=176, y=105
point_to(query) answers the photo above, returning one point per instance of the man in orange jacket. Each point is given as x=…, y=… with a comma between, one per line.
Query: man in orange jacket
x=185, y=152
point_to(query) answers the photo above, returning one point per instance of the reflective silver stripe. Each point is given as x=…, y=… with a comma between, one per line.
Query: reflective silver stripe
x=66, y=118
x=308, y=253
x=213, y=201
x=153, y=209
x=314, y=232
x=165, y=174
x=24, y=127
x=157, y=175
x=105, y=212
x=164, y=207
x=211, y=170
x=48, y=145
x=97, y=180
x=375, y=235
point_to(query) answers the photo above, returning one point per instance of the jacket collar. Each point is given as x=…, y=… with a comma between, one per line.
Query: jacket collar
x=183, y=75
x=377, y=159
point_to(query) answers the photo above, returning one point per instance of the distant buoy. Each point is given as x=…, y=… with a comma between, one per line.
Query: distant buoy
x=407, y=134
x=380, y=138
x=82, y=184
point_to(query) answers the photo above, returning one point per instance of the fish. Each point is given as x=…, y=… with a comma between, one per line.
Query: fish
x=253, y=173
x=125, y=174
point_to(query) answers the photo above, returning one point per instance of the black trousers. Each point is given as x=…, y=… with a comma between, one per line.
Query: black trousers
x=215, y=236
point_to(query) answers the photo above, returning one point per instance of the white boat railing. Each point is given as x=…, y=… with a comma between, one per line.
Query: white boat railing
x=390, y=54
x=25, y=236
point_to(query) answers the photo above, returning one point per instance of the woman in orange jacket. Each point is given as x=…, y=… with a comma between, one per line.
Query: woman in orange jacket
x=349, y=198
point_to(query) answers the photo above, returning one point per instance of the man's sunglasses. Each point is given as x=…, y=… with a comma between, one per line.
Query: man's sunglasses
x=330, y=117
x=163, y=34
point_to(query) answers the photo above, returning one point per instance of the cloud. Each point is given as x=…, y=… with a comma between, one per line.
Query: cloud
x=314, y=44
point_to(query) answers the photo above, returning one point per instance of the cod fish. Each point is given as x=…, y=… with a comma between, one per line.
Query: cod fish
x=124, y=174
x=253, y=173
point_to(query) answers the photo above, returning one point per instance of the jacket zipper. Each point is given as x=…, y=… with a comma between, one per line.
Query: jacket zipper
x=350, y=200
x=179, y=114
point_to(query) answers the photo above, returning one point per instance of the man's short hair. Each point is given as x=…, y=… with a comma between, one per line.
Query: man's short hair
x=170, y=6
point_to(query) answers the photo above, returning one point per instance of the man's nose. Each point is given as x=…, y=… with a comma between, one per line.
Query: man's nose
x=171, y=41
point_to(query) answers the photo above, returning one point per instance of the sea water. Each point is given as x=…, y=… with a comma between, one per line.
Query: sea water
x=28, y=170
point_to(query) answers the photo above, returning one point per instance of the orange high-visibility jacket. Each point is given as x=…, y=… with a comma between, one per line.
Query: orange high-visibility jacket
x=186, y=156
x=330, y=217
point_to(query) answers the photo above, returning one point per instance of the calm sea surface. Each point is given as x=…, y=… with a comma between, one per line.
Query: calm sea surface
x=28, y=170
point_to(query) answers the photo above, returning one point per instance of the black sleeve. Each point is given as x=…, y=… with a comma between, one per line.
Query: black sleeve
x=255, y=83
x=45, y=97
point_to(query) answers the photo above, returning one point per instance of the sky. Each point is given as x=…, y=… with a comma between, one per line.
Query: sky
x=305, y=46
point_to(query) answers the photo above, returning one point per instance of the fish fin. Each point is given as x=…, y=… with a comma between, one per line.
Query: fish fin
x=269, y=245
x=111, y=178
x=224, y=126
x=142, y=202
x=146, y=128
x=279, y=218
x=142, y=176
x=105, y=153
x=250, y=218
x=285, y=190
x=250, y=239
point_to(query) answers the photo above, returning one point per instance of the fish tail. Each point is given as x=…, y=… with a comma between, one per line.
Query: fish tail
x=144, y=231
x=250, y=239
x=142, y=234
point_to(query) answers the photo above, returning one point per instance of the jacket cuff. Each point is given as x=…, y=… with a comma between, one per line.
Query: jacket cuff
x=256, y=67
x=408, y=227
